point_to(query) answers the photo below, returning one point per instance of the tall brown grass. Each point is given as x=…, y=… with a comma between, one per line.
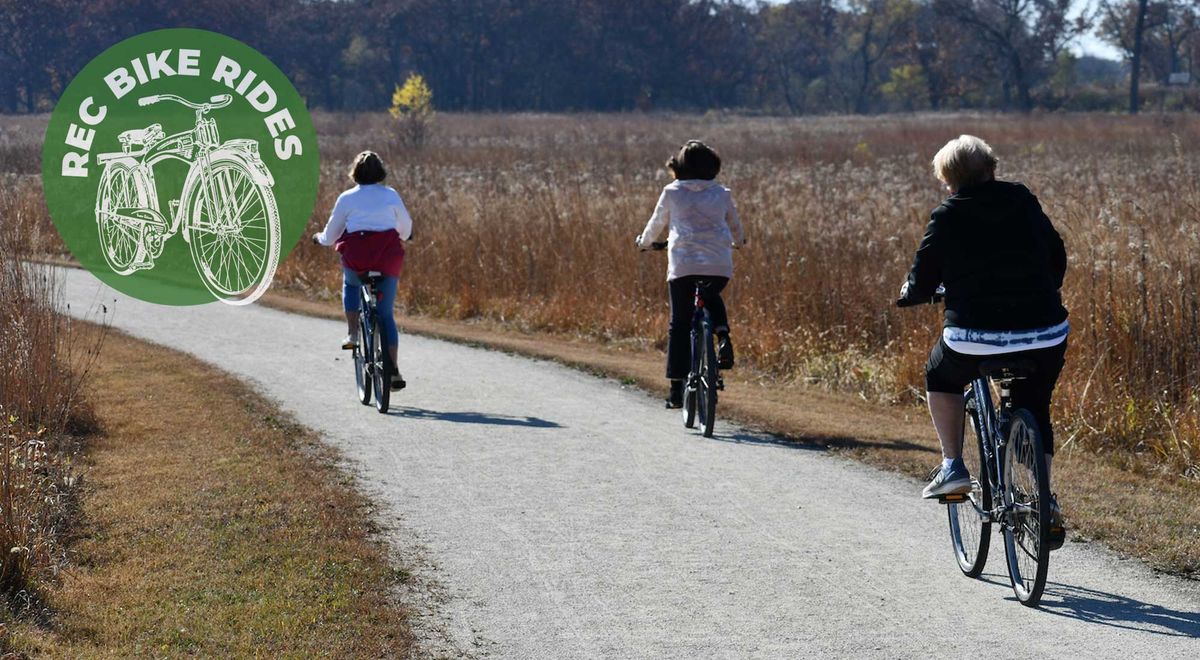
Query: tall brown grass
x=43, y=362
x=530, y=219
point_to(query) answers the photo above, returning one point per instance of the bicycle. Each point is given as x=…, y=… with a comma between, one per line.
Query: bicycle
x=704, y=378
x=1011, y=487
x=372, y=363
x=226, y=210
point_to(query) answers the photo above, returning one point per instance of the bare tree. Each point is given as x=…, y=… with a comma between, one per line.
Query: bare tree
x=1025, y=33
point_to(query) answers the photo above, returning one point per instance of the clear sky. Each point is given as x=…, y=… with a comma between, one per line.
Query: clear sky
x=1090, y=43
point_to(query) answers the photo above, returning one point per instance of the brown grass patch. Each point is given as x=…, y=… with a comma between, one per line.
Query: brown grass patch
x=1126, y=502
x=213, y=525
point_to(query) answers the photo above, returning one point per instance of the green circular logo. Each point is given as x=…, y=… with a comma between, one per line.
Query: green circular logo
x=180, y=166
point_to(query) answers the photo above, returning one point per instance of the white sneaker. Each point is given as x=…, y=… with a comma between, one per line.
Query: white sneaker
x=349, y=343
x=954, y=480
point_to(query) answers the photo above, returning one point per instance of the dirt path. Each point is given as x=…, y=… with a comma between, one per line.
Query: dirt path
x=561, y=515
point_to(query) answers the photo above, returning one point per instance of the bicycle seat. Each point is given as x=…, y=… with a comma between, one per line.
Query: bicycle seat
x=370, y=276
x=1008, y=368
x=142, y=137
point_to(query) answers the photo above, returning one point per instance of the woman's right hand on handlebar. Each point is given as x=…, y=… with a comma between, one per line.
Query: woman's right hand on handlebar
x=906, y=300
x=657, y=245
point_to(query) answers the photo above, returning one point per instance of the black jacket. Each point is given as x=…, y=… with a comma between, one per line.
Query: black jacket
x=998, y=256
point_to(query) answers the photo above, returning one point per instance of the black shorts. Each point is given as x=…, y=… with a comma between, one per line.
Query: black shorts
x=950, y=371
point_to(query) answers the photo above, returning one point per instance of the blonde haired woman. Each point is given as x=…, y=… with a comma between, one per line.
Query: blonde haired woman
x=1002, y=264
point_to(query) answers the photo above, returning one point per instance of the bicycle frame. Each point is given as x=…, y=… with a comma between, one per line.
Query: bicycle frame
x=193, y=148
x=369, y=310
x=701, y=332
x=993, y=423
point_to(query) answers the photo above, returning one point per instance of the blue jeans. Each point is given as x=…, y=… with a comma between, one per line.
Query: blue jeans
x=352, y=301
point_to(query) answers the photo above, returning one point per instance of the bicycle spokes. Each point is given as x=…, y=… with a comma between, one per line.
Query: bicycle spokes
x=230, y=229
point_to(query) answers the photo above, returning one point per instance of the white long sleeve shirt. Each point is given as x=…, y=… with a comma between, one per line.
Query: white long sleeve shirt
x=373, y=207
x=704, y=228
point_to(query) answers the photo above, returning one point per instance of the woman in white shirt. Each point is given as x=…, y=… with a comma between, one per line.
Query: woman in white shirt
x=704, y=228
x=368, y=226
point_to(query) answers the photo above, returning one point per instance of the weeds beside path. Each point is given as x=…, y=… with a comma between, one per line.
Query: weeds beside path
x=1132, y=507
x=212, y=525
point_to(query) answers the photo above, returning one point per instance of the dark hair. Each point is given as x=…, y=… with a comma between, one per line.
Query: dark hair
x=367, y=169
x=695, y=160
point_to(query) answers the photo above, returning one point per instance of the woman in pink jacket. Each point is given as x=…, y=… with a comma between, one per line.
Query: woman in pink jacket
x=704, y=229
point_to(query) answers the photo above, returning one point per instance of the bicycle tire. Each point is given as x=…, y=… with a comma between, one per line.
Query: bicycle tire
x=689, y=388
x=246, y=285
x=383, y=369
x=121, y=186
x=970, y=531
x=708, y=384
x=1026, y=529
x=362, y=376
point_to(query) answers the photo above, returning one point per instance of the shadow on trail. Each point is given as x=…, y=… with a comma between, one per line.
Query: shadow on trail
x=1109, y=609
x=818, y=443
x=474, y=418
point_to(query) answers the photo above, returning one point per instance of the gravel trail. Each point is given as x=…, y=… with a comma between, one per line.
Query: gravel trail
x=551, y=514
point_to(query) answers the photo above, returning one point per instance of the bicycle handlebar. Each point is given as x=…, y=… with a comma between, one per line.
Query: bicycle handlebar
x=215, y=102
x=939, y=295
x=656, y=246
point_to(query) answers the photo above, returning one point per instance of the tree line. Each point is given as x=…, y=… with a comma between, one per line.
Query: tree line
x=799, y=57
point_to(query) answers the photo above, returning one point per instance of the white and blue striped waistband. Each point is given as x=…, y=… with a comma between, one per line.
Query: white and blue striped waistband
x=969, y=341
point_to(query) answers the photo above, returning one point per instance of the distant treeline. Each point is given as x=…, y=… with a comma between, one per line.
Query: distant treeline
x=804, y=56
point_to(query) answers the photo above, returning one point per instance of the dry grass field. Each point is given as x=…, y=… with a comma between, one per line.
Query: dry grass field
x=529, y=220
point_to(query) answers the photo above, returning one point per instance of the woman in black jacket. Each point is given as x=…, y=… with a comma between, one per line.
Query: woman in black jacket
x=1002, y=264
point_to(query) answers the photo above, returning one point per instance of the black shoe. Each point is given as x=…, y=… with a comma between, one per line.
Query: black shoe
x=724, y=352
x=1057, y=533
x=675, y=399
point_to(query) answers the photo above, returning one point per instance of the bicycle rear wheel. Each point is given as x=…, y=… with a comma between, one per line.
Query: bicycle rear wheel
x=970, y=527
x=1027, y=494
x=383, y=368
x=362, y=374
x=708, y=385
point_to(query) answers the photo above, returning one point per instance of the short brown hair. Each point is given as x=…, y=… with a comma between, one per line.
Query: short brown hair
x=965, y=161
x=367, y=169
x=695, y=160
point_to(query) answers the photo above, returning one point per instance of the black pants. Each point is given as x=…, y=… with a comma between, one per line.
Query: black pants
x=683, y=291
x=949, y=371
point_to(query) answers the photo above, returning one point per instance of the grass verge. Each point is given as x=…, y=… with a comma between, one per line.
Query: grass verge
x=1128, y=504
x=212, y=525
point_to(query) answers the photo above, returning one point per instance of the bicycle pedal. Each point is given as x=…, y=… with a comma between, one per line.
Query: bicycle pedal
x=953, y=498
x=720, y=384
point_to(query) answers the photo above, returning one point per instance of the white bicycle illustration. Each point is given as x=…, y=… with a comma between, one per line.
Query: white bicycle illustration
x=226, y=210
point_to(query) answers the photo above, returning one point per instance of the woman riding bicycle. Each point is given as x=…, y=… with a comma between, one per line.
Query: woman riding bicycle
x=368, y=226
x=704, y=230
x=1002, y=264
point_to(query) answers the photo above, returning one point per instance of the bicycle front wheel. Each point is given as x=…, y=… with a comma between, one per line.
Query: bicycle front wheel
x=233, y=231
x=383, y=368
x=690, y=387
x=1027, y=497
x=708, y=386
x=970, y=524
